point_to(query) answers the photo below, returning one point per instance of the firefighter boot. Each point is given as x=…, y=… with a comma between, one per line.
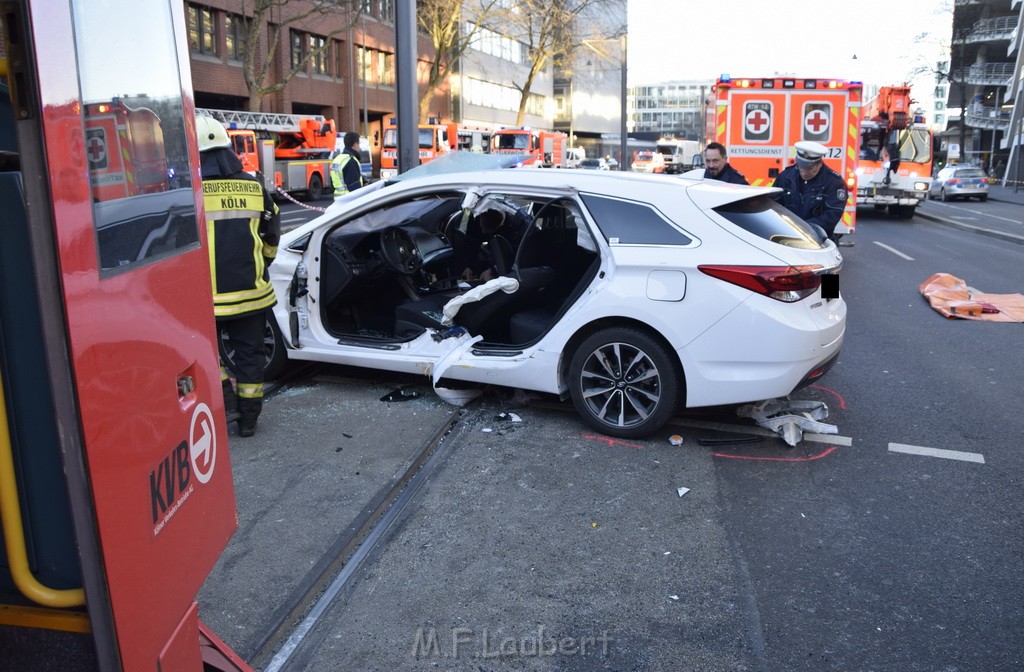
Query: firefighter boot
x=230, y=402
x=247, y=424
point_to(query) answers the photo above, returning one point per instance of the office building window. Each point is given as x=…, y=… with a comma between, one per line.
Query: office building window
x=236, y=34
x=318, y=54
x=202, y=32
x=298, y=47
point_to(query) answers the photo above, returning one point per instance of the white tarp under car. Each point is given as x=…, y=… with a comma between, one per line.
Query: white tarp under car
x=633, y=294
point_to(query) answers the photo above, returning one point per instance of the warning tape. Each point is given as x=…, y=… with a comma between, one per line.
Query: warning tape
x=289, y=197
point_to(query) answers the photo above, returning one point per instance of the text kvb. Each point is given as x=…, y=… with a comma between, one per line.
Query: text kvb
x=171, y=477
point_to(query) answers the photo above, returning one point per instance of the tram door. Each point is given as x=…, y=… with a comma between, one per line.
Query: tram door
x=114, y=417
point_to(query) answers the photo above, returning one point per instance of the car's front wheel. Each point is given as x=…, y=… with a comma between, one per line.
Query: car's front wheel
x=623, y=382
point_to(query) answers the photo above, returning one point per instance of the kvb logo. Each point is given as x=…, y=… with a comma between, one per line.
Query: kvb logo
x=170, y=483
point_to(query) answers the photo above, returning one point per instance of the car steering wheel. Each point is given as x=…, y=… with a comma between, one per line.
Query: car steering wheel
x=399, y=251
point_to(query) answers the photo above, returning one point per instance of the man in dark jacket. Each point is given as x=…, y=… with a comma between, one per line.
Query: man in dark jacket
x=811, y=190
x=243, y=228
x=346, y=172
x=716, y=165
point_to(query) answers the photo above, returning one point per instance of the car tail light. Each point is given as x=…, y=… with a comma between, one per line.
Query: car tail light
x=952, y=180
x=782, y=283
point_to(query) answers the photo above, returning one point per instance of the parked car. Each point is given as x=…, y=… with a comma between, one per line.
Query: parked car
x=958, y=181
x=593, y=164
x=624, y=294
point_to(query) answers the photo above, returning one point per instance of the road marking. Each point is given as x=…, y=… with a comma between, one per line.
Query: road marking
x=893, y=250
x=936, y=452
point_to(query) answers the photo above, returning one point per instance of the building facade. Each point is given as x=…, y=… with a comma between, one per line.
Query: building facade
x=986, y=75
x=671, y=109
x=353, y=80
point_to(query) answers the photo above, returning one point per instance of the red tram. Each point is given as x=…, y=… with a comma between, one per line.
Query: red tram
x=115, y=479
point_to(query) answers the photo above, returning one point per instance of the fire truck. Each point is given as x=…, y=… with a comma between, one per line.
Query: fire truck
x=116, y=491
x=433, y=140
x=545, y=149
x=125, y=147
x=890, y=130
x=759, y=120
x=290, y=153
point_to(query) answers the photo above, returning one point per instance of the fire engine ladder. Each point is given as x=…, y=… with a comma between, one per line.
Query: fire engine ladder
x=261, y=121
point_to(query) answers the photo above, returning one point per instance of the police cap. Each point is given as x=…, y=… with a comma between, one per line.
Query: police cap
x=809, y=153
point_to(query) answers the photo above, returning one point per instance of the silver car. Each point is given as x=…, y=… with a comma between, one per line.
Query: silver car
x=954, y=182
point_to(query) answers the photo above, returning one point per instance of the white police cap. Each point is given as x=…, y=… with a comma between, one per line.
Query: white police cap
x=809, y=153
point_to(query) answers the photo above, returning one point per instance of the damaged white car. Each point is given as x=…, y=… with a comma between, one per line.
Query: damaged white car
x=632, y=294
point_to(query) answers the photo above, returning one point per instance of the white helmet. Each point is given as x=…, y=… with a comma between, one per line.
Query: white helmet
x=211, y=133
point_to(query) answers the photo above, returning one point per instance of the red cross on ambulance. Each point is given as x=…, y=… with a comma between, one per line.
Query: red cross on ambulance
x=816, y=122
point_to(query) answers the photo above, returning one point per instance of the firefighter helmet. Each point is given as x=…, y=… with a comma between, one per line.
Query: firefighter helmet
x=211, y=133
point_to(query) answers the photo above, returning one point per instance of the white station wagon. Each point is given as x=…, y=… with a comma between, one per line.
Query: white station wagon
x=633, y=294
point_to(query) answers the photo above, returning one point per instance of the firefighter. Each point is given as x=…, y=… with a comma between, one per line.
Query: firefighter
x=243, y=228
x=346, y=172
x=717, y=165
x=812, y=190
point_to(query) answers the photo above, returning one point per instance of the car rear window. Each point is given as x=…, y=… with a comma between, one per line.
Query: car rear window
x=765, y=218
x=631, y=223
x=970, y=172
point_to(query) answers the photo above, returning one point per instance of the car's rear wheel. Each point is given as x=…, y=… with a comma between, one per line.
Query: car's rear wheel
x=983, y=198
x=623, y=382
x=943, y=196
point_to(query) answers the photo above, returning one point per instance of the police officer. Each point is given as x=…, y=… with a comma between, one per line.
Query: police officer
x=812, y=190
x=243, y=228
x=346, y=172
x=716, y=165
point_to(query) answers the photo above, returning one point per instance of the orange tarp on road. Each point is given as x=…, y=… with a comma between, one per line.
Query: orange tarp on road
x=952, y=297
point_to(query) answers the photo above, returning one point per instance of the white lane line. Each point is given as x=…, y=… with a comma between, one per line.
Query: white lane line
x=893, y=250
x=834, y=439
x=937, y=452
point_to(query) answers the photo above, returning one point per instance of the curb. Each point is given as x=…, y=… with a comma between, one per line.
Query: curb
x=1003, y=235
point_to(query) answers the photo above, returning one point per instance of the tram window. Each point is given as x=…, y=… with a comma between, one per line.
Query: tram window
x=136, y=143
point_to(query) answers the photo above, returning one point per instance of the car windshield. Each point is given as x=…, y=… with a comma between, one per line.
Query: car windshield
x=970, y=172
x=765, y=218
x=460, y=162
x=590, y=163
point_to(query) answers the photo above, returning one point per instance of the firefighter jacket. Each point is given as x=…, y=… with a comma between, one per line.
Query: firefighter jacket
x=820, y=200
x=346, y=173
x=243, y=228
x=728, y=174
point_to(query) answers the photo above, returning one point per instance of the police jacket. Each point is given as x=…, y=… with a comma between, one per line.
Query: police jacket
x=820, y=200
x=728, y=174
x=346, y=172
x=243, y=228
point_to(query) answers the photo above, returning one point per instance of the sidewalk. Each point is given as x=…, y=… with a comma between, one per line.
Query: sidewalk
x=1006, y=194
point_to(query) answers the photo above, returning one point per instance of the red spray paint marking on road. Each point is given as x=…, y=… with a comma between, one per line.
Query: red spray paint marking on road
x=839, y=397
x=824, y=453
x=612, y=442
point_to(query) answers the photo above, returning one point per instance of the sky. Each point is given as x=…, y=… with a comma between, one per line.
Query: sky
x=702, y=39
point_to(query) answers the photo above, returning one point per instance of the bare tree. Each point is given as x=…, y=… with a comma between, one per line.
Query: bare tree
x=452, y=26
x=553, y=30
x=278, y=17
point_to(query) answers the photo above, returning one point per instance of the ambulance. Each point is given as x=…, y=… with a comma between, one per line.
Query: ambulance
x=759, y=120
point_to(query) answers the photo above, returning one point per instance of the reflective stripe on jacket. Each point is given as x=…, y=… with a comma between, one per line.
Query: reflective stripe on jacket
x=243, y=229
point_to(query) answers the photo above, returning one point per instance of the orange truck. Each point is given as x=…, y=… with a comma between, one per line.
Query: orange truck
x=433, y=140
x=289, y=153
x=759, y=120
x=888, y=128
x=546, y=149
x=125, y=149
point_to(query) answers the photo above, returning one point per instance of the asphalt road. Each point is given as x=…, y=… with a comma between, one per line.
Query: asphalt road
x=540, y=546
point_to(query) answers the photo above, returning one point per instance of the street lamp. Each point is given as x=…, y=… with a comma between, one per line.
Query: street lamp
x=624, y=130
